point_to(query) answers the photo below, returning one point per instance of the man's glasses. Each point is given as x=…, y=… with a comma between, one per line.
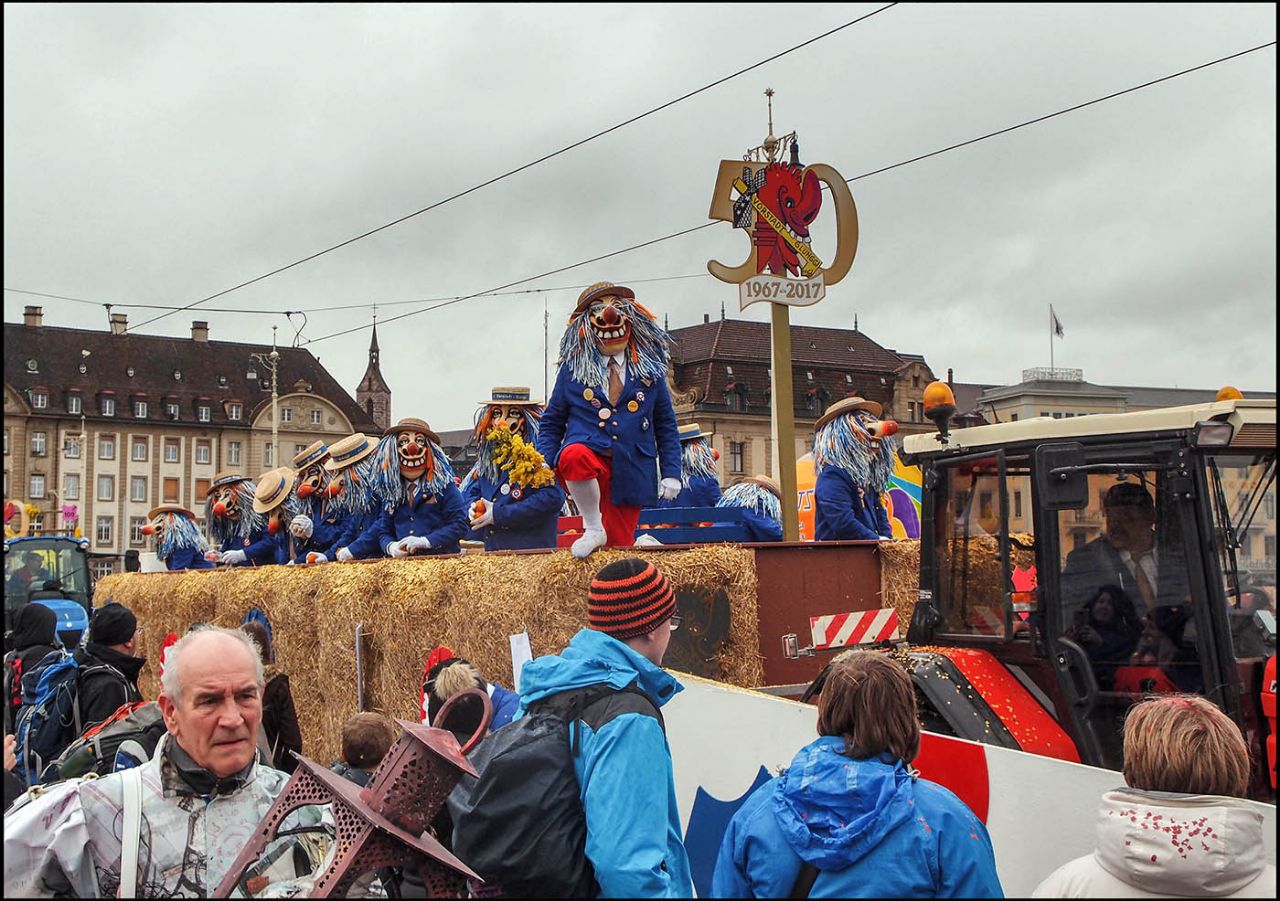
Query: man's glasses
x=675, y=622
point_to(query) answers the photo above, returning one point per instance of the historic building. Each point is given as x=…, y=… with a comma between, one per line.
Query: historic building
x=723, y=381
x=372, y=394
x=99, y=427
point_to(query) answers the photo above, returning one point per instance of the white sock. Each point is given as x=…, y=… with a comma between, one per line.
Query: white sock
x=586, y=495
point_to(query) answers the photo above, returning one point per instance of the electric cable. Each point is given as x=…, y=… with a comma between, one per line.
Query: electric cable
x=529, y=165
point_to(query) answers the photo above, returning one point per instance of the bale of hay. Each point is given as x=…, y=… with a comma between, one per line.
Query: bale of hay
x=470, y=603
x=900, y=578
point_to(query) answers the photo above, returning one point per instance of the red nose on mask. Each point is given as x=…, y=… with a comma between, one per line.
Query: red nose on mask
x=335, y=488
x=610, y=315
x=220, y=509
x=148, y=529
x=883, y=429
x=305, y=491
x=411, y=449
x=273, y=526
x=715, y=454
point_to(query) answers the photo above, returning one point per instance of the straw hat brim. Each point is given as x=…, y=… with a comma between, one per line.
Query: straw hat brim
x=608, y=291
x=332, y=465
x=411, y=427
x=289, y=477
x=170, y=508
x=849, y=405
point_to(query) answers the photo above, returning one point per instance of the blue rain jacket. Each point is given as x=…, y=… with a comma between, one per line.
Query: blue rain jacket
x=639, y=442
x=846, y=511
x=871, y=829
x=628, y=790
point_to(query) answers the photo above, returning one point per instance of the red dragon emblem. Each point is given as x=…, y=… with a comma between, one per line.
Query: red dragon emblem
x=794, y=197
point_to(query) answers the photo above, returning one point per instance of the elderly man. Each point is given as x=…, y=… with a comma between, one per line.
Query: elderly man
x=202, y=795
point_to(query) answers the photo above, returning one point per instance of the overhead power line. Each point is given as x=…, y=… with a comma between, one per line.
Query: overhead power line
x=915, y=159
x=526, y=166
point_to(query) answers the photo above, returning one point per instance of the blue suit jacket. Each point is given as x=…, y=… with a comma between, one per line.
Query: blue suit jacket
x=256, y=542
x=267, y=549
x=846, y=512
x=530, y=521
x=354, y=528
x=187, y=558
x=701, y=491
x=442, y=521
x=326, y=528
x=638, y=441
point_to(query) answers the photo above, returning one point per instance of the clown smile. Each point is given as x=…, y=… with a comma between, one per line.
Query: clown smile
x=613, y=334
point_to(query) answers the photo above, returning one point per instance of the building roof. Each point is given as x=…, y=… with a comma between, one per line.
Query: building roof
x=967, y=394
x=372, y=380
x=740, y=339
x=186, y=371
x=1140, y=396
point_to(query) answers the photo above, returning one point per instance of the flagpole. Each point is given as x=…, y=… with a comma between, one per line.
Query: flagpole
x=1051, y=336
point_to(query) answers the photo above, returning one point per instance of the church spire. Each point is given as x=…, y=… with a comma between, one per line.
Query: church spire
x=373, y=393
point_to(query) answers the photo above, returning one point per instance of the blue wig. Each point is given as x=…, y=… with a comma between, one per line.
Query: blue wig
x=845, y=443
x=647, y=353
x=696, y=459
x=390, y=488
x=484, y=466
x=180, y=532
x=752, y=496
x=249, y=522
x=357, y=494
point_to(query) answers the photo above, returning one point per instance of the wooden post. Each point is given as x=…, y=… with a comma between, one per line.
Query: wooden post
x=784, y=422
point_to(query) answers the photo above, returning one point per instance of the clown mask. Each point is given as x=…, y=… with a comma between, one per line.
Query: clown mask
x=311, y=481
x=224, y=503
x=414, y=450
x=610, y=324
x=873, y=430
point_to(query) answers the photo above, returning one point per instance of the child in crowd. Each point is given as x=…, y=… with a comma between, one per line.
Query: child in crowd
x=366, y=738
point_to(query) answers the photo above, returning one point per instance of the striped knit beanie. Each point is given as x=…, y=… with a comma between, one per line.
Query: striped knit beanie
x=629, y=598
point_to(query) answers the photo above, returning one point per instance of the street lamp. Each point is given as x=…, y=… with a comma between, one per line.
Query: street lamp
x=272, y=362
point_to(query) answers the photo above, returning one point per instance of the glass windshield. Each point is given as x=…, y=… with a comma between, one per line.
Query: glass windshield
x=32, y=566
x=1243, y=494
x=974, y=593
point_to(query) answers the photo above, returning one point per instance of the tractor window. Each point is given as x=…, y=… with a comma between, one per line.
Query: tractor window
x=1242, y=489
x=1125, y=590
x=981, y=593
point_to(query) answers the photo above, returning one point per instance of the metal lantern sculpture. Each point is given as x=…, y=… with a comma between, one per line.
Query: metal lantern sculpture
x=382, y=825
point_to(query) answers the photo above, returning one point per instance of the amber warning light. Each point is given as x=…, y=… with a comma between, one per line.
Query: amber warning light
x=940, y=406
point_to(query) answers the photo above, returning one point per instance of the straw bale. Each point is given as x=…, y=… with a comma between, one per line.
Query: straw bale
x=900, y=577
x=470, y=603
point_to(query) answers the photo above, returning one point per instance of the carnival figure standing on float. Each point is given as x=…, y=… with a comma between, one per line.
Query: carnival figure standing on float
x=853, y=453
x=423, y=510
x=352, y=496
x=179, y=544
x=275, y=501
x=318, y=523
x=237, y=531
x=609, y=428
x=699, y=470
x=513, y=501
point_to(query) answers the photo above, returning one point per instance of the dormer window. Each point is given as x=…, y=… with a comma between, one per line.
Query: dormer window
x=171, y=410
x=129, y=372
x=848, y=379
x=809, y=375
x=177, y=375
x=83, y=367
x=39, y=399
x=73, y=403
x=33, y=366
x=252, y=375
x=202, y=413
x=108, y=406
x=728, y=370
x=222, y=381
x=140, y=409
x=234, y=411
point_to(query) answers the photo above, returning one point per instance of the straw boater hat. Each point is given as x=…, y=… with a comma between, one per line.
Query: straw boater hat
x=412, y=425
x=515, y=396
x=767, y=483
x=599, y=290
x=349, y=451
x=691, y=431
x=227, y=477
x=848, y=405
x=311, y=455
x=170, y=508
x=274, y=486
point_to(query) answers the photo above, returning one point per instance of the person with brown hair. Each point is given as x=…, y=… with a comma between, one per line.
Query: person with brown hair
x=1180, y=828
x=366, y=738
x=279, y=717
x=849, y=817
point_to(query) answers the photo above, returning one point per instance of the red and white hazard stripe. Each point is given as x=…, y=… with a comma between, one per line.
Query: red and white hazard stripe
x=986, y=620
x=840, y=630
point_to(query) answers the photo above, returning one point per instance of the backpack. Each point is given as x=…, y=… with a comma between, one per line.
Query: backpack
x=96, y=751
x=50, y=716
x=521, y=825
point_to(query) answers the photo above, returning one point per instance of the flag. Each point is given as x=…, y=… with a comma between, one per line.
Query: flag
x=1057, y=326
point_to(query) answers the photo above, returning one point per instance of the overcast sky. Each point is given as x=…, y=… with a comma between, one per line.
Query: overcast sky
x=160, y=154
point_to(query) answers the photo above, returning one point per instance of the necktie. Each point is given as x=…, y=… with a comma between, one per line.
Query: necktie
x=1145, y=588
x=615, y=382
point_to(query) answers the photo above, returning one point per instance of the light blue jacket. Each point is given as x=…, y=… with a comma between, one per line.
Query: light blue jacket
x=871, y=829
x=624, y=771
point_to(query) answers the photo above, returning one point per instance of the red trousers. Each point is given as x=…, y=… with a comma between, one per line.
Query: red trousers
x=579, y=463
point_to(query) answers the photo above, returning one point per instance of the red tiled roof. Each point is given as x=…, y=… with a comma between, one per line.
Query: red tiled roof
x=739, y=339
x=58, y=354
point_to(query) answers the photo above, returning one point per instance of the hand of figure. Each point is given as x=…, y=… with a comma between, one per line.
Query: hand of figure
x=669, y=489
x=414, y=543
x=232, y=557
x=301, y=526
x=397, y=549
x=344, y=555
x=317, y=558
x=10, y=751
x=483, y=518
x=212, y=556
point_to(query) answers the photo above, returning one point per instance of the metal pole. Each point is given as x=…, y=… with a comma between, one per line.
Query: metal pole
x=1051, y=336
x=275, y=397
x=546, y=321
x=784, y=422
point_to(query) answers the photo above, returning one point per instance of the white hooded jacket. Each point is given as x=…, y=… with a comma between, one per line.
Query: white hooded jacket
x=1158, y=844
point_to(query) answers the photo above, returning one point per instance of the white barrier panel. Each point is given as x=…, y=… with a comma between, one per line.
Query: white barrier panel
x=1040, y=812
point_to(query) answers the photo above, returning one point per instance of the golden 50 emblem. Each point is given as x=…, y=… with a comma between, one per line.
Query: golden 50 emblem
x=777, y=204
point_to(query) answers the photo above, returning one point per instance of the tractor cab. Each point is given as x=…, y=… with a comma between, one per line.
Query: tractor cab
x=1101, y=559
x=51, y=570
